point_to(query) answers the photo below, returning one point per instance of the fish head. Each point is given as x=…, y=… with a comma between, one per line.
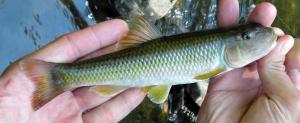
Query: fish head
x=247, y=44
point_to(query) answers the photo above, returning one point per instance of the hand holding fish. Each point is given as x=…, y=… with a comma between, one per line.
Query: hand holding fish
x=265, y=92
x=232, y=97
x=16, y=90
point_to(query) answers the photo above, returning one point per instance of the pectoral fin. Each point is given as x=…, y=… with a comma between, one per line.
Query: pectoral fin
x=210, y=74
x=106, y=90
x=158, y=94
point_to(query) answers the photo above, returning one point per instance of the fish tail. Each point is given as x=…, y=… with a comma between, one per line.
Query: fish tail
x=40, y=74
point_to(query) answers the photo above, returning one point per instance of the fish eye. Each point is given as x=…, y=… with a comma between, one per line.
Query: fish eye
x=246, y=36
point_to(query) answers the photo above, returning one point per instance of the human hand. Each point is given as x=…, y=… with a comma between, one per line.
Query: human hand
x=261, y=92
x=16, y=89
x=292, y=63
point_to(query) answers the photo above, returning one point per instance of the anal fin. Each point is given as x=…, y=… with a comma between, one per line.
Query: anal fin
x=158, y=94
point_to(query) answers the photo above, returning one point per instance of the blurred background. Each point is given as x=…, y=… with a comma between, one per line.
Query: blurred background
x=27, y=25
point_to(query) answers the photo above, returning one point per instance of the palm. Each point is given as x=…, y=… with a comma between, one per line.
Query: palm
x=19, y=89
x=232, y=94
x=17, y=100
x=239, y=95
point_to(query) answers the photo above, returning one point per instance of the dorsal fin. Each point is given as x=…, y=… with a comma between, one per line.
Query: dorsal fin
x=140, y=31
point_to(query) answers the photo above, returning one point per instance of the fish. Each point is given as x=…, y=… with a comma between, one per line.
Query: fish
x=147, y=59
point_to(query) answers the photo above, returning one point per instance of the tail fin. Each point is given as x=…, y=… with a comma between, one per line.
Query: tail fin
x=40, y=73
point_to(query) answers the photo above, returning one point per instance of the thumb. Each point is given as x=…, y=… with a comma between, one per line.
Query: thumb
x=292, y=63
x=277, y=85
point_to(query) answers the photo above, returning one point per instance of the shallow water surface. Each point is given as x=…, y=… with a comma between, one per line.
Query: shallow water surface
x=26, y=25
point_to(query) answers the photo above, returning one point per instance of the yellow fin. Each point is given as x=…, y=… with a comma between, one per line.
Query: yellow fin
x=210, y=74
x=147, y=88
x=158, y=94
x=140, y=31
x=106, y=90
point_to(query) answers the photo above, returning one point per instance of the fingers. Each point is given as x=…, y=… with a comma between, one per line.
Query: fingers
x=228, y=13
x=264, y=13
x=99, y=52
x=278, y=31
x=293, y=63
x=276, y=83
x=77, y=44
x=116, y=108
x=64, y=107
x=88, y=99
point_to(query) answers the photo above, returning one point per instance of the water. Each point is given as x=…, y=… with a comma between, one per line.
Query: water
x=288, y=15
x=27, y=25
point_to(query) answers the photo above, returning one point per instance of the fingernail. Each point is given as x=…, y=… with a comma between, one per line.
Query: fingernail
x=295, y=75
x=286, y=47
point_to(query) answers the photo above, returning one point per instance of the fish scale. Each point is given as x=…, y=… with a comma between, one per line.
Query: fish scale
x=161, y=61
